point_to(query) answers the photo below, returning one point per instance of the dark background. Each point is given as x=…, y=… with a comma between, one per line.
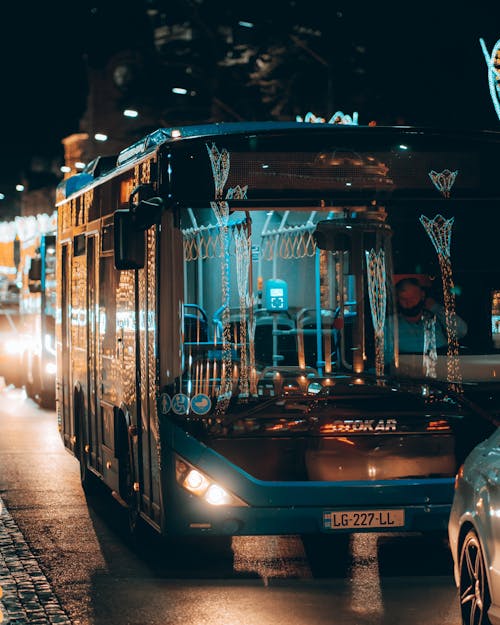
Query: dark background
x=411, y=64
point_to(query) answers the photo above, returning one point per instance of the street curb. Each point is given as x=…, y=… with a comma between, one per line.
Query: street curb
x=25, y=593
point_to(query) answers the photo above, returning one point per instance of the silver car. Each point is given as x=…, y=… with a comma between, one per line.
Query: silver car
x=474, y=533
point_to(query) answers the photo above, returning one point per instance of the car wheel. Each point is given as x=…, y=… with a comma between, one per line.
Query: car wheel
x=474, y=591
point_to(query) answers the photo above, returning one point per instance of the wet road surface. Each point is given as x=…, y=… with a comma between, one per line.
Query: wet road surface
x=98, y=575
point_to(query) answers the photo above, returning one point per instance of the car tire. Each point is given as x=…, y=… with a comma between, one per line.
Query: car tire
x=474, y=591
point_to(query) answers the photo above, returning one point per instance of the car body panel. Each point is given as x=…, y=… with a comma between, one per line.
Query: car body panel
x=476, y=504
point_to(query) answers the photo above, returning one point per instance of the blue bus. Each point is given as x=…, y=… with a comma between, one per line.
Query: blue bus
x=230, y=356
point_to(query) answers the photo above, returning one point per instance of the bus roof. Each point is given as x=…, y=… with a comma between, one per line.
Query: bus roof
x=174, y=137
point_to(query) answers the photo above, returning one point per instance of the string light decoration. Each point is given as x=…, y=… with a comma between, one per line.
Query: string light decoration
x=337, y=118
x=439, y=231
x=377, y=292
x=430, y=351
x=443, y=181
x=221, y=163
x=493, y=65
x=252, y=302
x=243, y=251
x=237, y=193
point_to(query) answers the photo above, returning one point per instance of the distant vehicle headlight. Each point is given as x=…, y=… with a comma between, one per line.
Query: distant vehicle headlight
x=49, y=344
x=50, y=368
x=12, y=346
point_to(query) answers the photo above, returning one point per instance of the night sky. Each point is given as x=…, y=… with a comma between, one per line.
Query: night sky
x=424, y=66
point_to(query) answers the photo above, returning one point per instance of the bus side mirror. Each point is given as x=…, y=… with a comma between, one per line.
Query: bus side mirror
x=128, y=242
x=147, y=210
x=35, y=287
x=35, y=275
x=35, y=270
x=147, y=213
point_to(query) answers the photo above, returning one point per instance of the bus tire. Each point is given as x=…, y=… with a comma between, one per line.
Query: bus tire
x=87, y=479
x=127, y=477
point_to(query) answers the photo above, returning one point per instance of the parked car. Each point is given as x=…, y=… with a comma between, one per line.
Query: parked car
x=474, y=533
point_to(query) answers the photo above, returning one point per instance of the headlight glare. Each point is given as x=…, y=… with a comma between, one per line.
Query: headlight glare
x=50, y=368
x=216, y=495
x=13, y=347
x=195, y=482
x=198, y=483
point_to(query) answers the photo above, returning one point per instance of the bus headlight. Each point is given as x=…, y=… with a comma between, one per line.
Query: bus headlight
x=198, y=483
x=216, y=495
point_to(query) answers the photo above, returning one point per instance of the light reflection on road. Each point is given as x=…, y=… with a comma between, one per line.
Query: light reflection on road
x=365, y=575
x=12, y=398
x=103, y=579
x=270, y=557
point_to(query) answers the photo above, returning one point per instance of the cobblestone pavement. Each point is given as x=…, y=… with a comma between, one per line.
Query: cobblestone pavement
x=25, y=594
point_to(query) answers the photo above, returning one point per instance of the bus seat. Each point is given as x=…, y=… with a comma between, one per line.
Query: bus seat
x=307, y=338
x=287, y=343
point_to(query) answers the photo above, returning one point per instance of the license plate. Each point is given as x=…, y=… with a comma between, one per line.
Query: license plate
x=362, y=519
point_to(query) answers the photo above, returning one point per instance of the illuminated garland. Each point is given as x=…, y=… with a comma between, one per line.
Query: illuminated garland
x=439, y=231
x=24, y=228
x=443, y=181
x=243, y=251
x=252, y=301
x=375, y=268
x=220, y=162
x=430, y=351
x=337, y=118
x=493, y=64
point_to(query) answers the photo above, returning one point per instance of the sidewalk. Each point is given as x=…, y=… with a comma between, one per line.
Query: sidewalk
x=25, y=594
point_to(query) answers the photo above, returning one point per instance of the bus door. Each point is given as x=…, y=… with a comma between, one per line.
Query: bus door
x=149, y=436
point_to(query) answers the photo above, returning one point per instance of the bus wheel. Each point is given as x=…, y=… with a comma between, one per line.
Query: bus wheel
x=133, y=516
x=127, y=477
x=87, y=479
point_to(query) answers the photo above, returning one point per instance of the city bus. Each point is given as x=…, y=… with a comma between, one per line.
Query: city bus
x=27, y=305
x=229, y=358
x=37, y=307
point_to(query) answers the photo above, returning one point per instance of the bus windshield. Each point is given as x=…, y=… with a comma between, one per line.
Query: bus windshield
x=308, y=294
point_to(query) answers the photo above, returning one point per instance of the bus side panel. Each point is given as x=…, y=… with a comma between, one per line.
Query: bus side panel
x=147, y=333
x=109, y=372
